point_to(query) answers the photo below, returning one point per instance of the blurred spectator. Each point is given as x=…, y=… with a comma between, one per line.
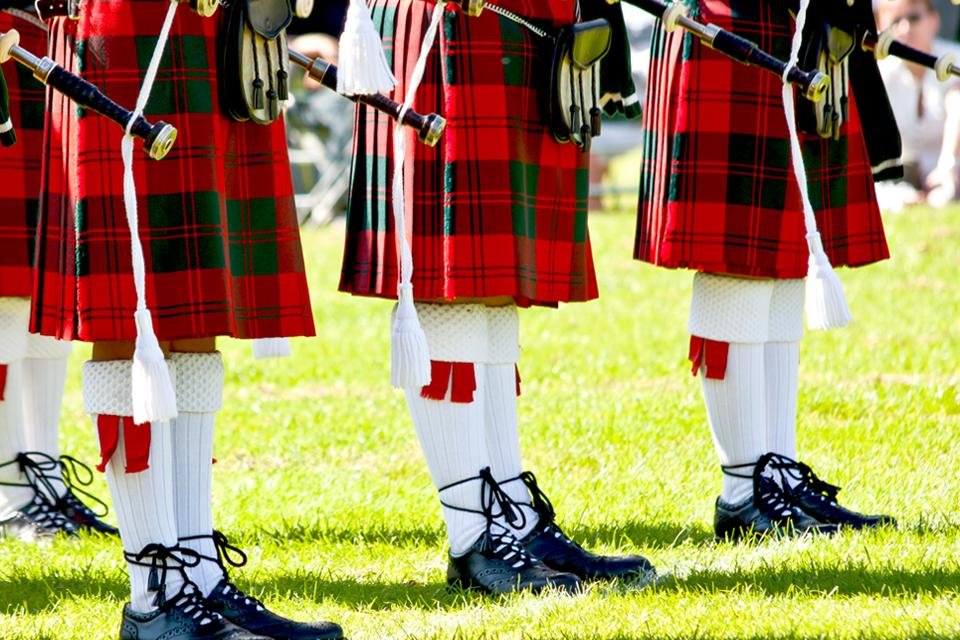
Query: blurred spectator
x=327, y=17
x=319, y=121
x=949, y=18
x=927, y=111
x=317, y=34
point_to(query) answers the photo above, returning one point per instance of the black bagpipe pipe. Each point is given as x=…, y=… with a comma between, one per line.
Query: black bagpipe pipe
x=157, y=138
x=813, y=84
x=884, y=44
x=429, y=127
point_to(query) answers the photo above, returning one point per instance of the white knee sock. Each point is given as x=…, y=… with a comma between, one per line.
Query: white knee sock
x=782, y=366
x=735, y=311
x=143, y=500
x=199, y=397
x=44, y=375
x=14, y=318
x=735, y=410
x=15, y=493
x=451, y=433
x=500, y=420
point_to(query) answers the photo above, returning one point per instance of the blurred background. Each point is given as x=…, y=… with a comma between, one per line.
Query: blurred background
x=320, y=123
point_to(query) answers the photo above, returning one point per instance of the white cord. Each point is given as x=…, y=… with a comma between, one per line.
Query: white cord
x=409, y=355
x=825, y=302
x=154, y=397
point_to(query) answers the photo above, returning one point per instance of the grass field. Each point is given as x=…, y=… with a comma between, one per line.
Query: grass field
x=320, y=477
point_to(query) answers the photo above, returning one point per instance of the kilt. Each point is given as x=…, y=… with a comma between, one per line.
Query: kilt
x=717, y=192
x=498, y=208
x=217, y=219
x=20, y=164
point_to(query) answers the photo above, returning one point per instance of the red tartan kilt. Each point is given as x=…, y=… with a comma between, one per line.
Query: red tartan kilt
x=498, y=208
x=20, y=164
x=216, y=216
x=717, y=190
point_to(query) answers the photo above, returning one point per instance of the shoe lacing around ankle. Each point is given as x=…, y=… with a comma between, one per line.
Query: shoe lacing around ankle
x=797, y=478
x=496, y=504
x=233, y=555
x=161, y=560
x=42, y=513
x=542, y=506
x=77, y=476
x=768, y=496
x=34, y=466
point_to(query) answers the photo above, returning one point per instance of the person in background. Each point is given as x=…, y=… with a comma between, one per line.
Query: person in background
x=927, y=110
x=37, y=500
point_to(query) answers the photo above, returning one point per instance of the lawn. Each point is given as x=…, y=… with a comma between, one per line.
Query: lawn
x=320, y=478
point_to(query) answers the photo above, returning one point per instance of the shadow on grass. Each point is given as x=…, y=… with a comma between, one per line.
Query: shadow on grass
x=38, y=594
x=644, y=535
x=816, y=581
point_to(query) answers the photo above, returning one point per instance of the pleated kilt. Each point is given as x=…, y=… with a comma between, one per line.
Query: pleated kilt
x=717, y=192
x=217, y=219
x=20, y=164
x=498, y=208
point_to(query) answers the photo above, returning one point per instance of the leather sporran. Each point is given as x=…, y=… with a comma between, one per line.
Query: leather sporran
x=573, y=96
x=254, y=63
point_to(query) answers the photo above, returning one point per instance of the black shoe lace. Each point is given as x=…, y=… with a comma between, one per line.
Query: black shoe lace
x=35, y=468
x=496, y=504
x=45, y=516
x=541, y=504
x=240, y=598
x=768, y=496
x=799, y=479
x=77, y=475
x=233, y=555
x=162, y=560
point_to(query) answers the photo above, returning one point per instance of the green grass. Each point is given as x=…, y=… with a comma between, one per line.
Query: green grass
x=320, y=477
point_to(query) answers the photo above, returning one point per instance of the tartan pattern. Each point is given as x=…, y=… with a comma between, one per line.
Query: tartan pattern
x=20, y=164
x=217, y=218
x=498, y=208
x=717, y=193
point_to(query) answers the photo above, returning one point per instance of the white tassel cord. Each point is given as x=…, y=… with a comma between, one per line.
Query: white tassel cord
x=826, y=305
x=271, y=348
x=154, y=398
x=409, y=356
x=362, y=64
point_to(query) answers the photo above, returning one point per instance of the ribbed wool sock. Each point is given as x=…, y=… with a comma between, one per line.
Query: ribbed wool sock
x=14, y=318
x=451, y=433
x=736, y=313
x=452, y=439
x=143, y=499
x=44, y=375
x=199, y=397
x=500, y=419
x=503, y=440
x=736, y=412
x=14, y=493
x=782, y=366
